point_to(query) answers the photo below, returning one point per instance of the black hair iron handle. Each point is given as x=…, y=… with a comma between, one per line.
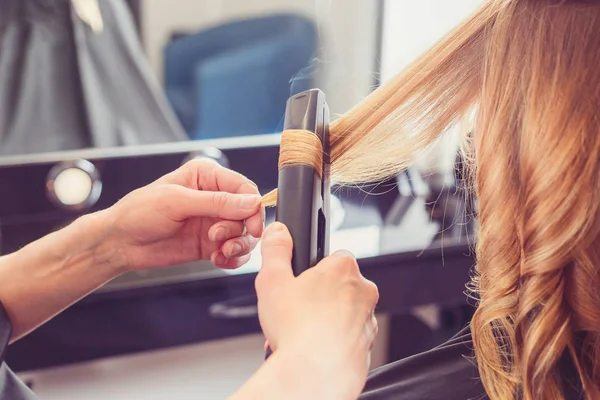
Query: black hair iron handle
x=303, y=195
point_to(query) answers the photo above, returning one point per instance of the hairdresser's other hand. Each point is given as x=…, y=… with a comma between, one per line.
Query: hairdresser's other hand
x=200, y=211
x=323, y=318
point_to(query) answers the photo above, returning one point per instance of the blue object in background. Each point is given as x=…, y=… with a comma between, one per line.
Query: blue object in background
x=234, y=79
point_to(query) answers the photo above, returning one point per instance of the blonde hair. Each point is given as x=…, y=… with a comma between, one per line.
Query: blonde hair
x=525, y=74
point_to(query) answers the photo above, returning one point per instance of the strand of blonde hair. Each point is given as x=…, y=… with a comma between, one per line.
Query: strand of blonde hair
x=527, y=70
x=298, y=147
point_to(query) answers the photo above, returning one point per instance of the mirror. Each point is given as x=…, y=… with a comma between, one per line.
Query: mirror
x=112, y=73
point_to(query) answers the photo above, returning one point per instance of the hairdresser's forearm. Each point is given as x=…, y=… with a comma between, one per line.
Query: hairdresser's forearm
x=298, y=376
x=45, y=277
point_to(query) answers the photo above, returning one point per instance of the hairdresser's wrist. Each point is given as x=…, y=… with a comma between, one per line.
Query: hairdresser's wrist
x=317, y=374
x=100, y=242
x=298, y=375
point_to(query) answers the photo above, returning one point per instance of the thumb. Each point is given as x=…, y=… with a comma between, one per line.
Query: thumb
x=276, y=250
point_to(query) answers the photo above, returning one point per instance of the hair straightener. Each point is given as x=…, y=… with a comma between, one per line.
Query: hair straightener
x=303, y=196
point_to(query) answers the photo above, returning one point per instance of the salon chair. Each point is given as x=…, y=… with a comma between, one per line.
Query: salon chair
x=234, y=79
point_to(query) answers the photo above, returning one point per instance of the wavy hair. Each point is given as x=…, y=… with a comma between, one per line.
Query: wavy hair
x=525, y=74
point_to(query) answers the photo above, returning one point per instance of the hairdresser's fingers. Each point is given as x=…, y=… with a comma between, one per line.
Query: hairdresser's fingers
x=343, y=265
x=219, y=260
x=191, y=174
x=255, y=224
x=239, y=246
x=180, y=203
x=341, y=262
x=207, y=175
x=276, y=258
x=374, y=329
x=371, y=291
x=222, y=179
x=225, y=230
x=216, y=177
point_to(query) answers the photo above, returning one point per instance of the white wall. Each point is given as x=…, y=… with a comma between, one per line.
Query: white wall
x=347, y=30
x=411, y=27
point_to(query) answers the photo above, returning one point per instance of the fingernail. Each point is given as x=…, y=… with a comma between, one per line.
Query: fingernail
x=250, y=202
x=344, y=253
x=274, y=228
x=220, y=234
x=220, y=259
x=235, y=250
x=252, y=185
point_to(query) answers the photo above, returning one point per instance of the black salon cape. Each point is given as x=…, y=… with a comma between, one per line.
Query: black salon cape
x=447, y=372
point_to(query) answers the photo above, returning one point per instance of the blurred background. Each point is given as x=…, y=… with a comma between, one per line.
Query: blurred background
x=128, y=90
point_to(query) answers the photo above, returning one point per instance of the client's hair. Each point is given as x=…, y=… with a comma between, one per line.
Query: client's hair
x=526, y=75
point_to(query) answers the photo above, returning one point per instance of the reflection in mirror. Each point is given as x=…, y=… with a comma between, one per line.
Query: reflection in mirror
x=228, y=67
x=74, y=76
x=111, y=73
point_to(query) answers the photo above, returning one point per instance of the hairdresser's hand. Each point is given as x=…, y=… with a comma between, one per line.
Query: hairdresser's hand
x=200, y=211
x=324, y=317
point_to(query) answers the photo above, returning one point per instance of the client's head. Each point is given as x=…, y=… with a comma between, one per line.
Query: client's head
x=537, y=158
x=525, y=77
